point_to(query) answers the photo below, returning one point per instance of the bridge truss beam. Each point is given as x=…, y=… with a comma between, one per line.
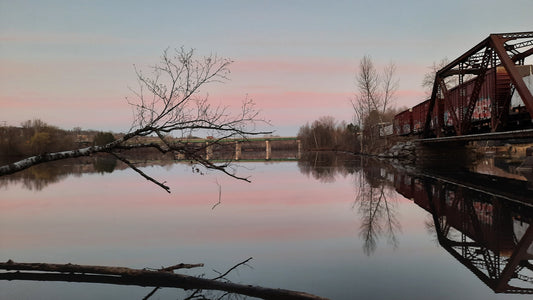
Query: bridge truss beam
x=504, y=49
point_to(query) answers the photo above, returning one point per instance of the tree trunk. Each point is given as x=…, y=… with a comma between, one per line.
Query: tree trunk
x=140, y=277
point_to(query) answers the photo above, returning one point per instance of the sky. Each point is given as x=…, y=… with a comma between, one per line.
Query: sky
x=71, y=63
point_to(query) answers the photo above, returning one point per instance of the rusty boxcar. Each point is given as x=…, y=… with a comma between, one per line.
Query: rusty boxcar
x=403, y=123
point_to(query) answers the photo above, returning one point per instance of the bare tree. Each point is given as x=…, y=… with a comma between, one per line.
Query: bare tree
x=389, y=86
x=367, y=82
x=375, y=93
x=429, y=77
x=168, y=102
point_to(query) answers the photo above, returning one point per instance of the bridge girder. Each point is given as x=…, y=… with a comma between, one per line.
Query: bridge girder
x=501, y=49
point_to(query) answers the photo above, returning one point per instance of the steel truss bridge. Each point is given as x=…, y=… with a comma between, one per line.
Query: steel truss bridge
x=507, y=50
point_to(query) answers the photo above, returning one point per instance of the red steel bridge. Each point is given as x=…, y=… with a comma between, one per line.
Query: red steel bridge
x=490, y=74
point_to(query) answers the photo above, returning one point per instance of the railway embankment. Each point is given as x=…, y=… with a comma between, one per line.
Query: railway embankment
x=410, y=152
x=404, y=151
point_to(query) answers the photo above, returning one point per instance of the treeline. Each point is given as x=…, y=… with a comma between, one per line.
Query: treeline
x=36, y=137
x=326, y=134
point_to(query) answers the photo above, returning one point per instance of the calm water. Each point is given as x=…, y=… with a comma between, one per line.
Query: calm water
x=342, y=231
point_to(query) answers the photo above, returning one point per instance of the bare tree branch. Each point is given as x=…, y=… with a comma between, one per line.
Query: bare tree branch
x=222, y=276
x=390, y=85
x=168, y=102
x=133, y=167
x=374, y=97
x=128, y=276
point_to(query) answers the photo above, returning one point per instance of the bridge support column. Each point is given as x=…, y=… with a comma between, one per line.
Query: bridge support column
x=208, y=150
x=445, y=156
x=238, y=150
x=268, y=149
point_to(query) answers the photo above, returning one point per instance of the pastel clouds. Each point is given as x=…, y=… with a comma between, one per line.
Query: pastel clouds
x=91, y=92
x=289, y=92
x=56, y=38
x=317, y=65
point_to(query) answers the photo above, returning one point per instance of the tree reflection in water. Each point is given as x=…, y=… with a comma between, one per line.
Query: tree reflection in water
x=376, y=209
x=38, y=177
x=373, y=197
x=325, y=166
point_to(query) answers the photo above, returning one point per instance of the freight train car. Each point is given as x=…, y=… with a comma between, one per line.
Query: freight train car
x=419, y=113
x=493, y=94
x=403, y=123
x=413, y=120
x=495, y=89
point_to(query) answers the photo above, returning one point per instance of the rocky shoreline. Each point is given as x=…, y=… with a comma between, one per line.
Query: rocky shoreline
x=405, y=151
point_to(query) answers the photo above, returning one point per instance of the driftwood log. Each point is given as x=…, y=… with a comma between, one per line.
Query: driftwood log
x=164, y=277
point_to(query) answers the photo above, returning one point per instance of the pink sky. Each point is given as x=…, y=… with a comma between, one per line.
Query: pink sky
x=71, y=63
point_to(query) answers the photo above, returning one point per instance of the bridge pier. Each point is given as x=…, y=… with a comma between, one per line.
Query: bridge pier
x=208, y=150
x=445, y=156
x=238, y=150
x=268, y=149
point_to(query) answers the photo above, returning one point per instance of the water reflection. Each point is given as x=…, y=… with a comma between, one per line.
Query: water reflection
x=325, y=166
x=296, y=227
x=376, y=206
x=40, y=176
x=104, y=164
x=482, y=221
x=374, y=201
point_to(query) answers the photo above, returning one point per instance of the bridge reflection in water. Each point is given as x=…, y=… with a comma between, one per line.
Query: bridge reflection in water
x=484, y=224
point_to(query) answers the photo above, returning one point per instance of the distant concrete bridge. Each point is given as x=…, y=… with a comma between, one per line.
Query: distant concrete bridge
x=271, y=148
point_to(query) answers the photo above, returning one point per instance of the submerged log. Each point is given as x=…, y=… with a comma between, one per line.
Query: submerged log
x=140, y=277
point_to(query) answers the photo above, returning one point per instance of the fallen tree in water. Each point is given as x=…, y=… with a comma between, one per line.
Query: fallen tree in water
x=166, y=105
x=164, y=277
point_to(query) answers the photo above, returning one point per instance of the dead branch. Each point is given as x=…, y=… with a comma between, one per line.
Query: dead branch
x=219, y=195
x=181, y=266
x=172, y=269
x=196, y=293
x=168, y=102
x=149, y=178
x=222, y=275
x=139, y=277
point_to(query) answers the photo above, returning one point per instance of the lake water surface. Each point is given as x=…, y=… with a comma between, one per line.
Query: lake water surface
x=341, y=232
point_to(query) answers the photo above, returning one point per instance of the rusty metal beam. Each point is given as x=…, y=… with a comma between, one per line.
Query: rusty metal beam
x=526, y=134
x=464, y=57
x=497, y=43
x=518, y=255
x=516, y=35
x=471, y=62
x=427, y=125
x=473, y=71
x=522, y=55
x=467, y=119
